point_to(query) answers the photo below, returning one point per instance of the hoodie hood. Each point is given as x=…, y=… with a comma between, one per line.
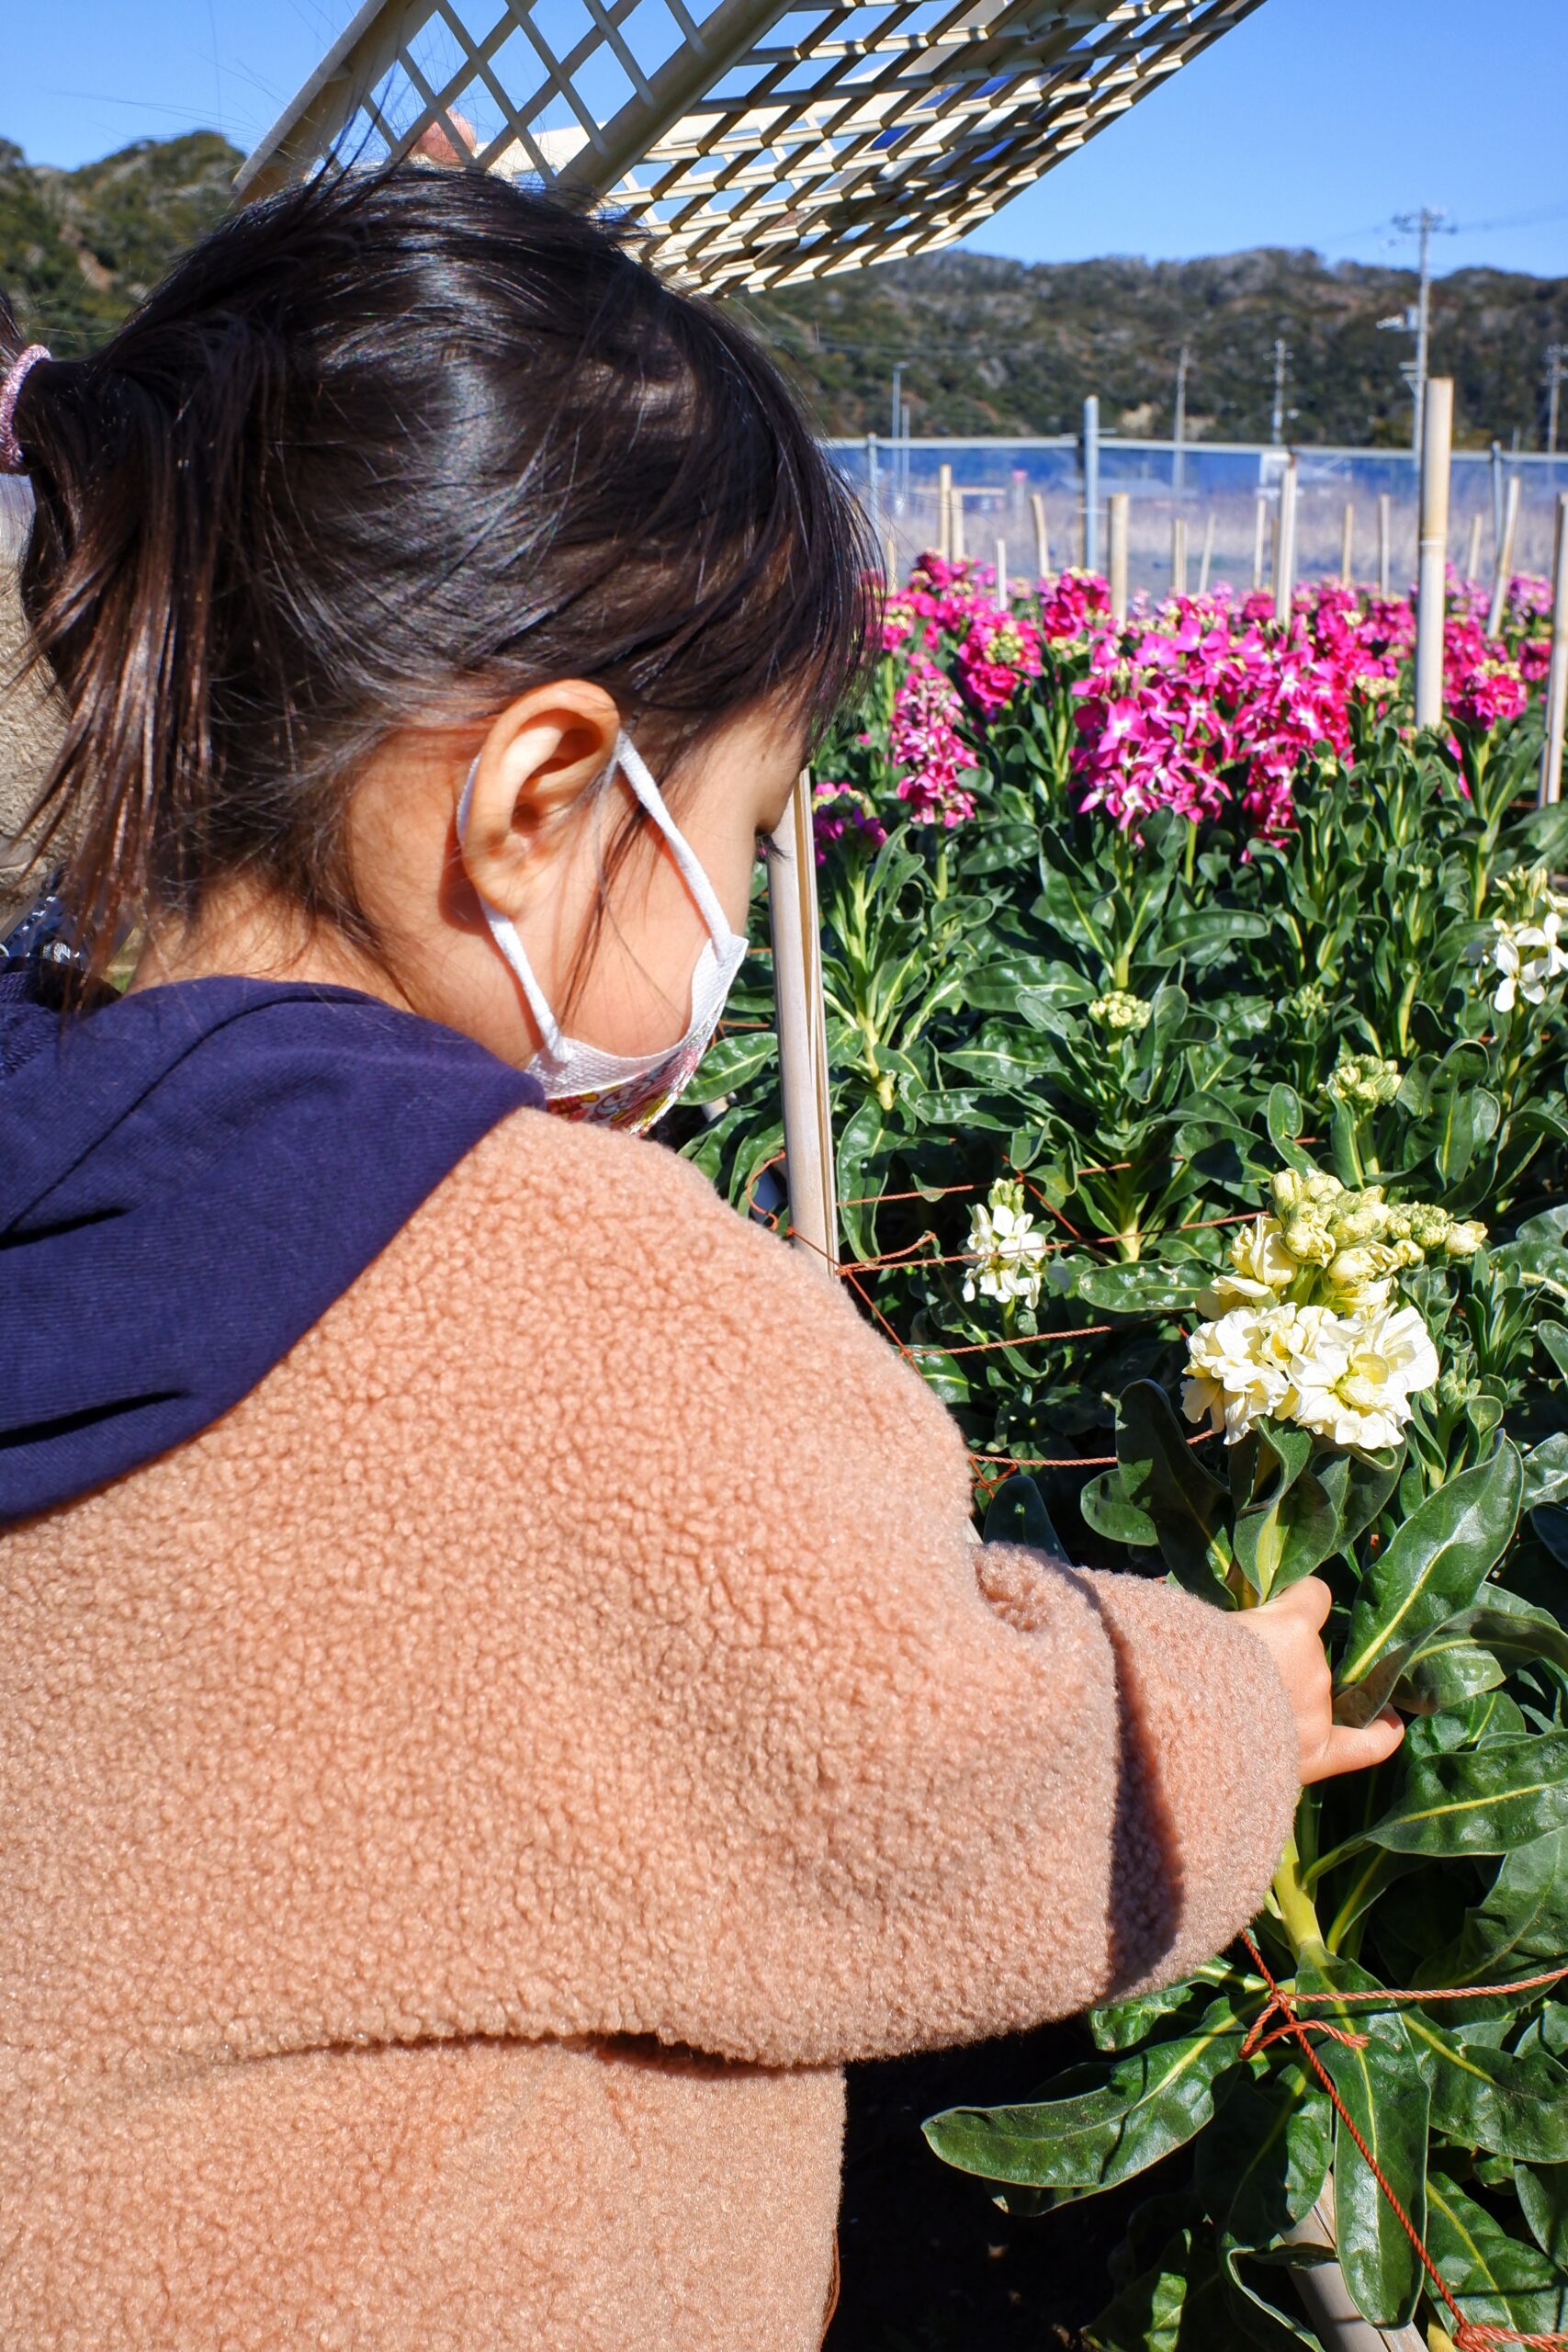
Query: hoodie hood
x=188, y=1178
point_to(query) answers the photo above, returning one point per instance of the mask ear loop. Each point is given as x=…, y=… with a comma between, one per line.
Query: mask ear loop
x=635, y=768
x=504, y=931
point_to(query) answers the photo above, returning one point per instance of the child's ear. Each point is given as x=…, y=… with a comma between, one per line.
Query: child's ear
x=543, y=752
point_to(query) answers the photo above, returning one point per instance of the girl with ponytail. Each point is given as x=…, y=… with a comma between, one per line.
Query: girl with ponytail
x=498, y=1698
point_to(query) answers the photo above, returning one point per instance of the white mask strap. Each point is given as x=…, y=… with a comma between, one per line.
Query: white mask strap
x=634, y=767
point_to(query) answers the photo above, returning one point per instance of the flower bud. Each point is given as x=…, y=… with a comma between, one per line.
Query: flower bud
x=1120, y=1009
x=1359, y=1216
x=1288, y=1191
x=1462, y=1240
x=1322, y=1188
x=1309, y=1240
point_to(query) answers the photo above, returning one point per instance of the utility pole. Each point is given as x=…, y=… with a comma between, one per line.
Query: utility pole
x=1555, y=354
x=1277, y=414
x=897, y=401
x=1179, y=437
x=1416, y=319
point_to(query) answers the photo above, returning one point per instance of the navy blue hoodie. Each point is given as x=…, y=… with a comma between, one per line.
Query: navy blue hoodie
x=188, y=1178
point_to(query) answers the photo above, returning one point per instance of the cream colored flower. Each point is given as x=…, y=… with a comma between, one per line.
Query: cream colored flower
x=1120, y=1009
x=1354, y=1383
x=1462, y=1240
x=1008, y=1248
x=1261, y=1268
x=1240, y=1365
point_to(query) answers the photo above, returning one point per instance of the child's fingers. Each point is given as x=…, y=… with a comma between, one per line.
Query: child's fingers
x=1357, y=1749
x=1309, y=1599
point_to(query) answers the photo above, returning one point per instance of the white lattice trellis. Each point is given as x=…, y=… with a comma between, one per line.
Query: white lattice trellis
x=761, y=143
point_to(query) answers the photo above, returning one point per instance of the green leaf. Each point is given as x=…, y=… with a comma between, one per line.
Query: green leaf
x=1358, y=1484
x=1107, y=1511
x=733, y=1062
x=1383, y=2090
x=1484, y=2098
x=1278, y=1543
x=1520, y=1925
x=1179, y=2304
x=1163, y=1476
x=1148, y=2103
x=1542, y=2192
x=1546, y=1470
x=1263, y=2161
x=1435, y=1563
x=1122, y=2025
x=1139, y=1290
x=1498, y=2280
x=1018, y=1515
x=1554, y=1337
x=1480, y=1800
x=1283, y=1116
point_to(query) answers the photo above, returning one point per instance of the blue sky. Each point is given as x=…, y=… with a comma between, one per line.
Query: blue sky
x=1310, y=124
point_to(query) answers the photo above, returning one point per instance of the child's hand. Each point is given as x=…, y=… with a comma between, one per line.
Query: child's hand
x=1289, y=1629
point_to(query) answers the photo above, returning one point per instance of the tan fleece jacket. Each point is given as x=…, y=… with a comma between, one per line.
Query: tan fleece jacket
x=461, y=1810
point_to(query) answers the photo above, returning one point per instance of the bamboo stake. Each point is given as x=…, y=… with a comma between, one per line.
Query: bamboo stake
x=1117, y=508
x=1178, y=556
x=1472, y=548
x=1347, y=545
x=1504, y=570
x=1285, y=555
x=1432, y=547
x=956, y=509
x=802, y=1025
x=1385, y=542
x=945, y=513
x=1208, y=555
x=1260, y=539
x=890, y=548
x=1004, y=598
x=1042, y=537
x=1557, y=676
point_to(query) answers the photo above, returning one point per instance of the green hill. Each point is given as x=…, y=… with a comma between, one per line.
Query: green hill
x=986, y=346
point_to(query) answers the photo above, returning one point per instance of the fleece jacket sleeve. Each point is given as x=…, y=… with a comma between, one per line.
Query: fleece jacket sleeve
x=859, y=1785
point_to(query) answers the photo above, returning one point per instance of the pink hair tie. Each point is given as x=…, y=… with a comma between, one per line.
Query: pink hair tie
x=17, y=376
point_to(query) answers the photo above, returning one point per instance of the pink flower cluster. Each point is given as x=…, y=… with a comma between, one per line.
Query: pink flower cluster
x=1481, y=684
x=1199, y=705
x=997, y=651
x=923, y=741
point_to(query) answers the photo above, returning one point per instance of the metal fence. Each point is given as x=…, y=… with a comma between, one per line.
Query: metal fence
x=1226, y=494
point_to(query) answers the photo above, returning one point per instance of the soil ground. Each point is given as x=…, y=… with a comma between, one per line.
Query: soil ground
x=929, y=2263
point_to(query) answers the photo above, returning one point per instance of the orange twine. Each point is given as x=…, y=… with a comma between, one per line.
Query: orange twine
x=1469, y=2334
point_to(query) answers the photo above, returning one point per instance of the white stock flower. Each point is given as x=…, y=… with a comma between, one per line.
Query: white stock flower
x=1240, y=1365
x=1008, y=1248
x=1261, y=1267
x=1355, y=1382
x=1528, y=958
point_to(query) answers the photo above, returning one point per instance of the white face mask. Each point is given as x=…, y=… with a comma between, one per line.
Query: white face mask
x=625, y=1090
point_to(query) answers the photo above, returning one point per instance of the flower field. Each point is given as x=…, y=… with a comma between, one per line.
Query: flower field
x=1197, y=1040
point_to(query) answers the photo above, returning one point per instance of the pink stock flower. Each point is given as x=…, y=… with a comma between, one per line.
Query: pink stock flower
x=998, y=651
x=923, y=740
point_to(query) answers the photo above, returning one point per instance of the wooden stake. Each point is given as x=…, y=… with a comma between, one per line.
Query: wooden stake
x=1285, y=556
x=1557, y=676
x=1117, y=506
x=1385, y=542
x=945, y=513
x=1178, y=556
x=1432, y=547
x=1208, y=556
x=801, y=1022
x=1504, y=570
x=1042, y=538
x=1473, y=550
x=1260, y=539
x=890, y=547
x=1004, y=595
x=956, y=509
x=1348, y=546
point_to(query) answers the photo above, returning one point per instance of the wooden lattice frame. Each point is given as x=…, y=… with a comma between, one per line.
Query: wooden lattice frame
x=761, y=144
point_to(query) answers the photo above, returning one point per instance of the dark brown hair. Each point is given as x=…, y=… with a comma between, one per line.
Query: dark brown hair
x=388, y=449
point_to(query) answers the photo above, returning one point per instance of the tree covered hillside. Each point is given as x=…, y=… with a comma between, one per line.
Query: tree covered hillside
x=985, y=346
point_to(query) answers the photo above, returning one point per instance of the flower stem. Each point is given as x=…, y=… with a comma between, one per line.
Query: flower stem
x=1298, y=1915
